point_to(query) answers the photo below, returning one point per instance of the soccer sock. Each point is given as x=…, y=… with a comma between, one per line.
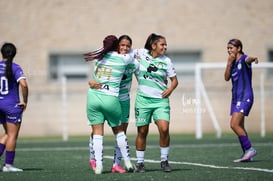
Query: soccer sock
x=10, y=157
x=245, y=143
x=123, y=145
x=164, y=151
x=2, y=148
x=140, y=156
x=117, y=155
x=98, y=148
x=91, y=151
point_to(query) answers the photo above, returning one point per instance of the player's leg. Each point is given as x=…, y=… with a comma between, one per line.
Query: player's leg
x=161, y=116
x=113, y=115
x=96, y=121
x=164, y=137
x=118, y=156
x=122, y=143
x=142, y=132
x=12, y=132
x=143, y=115
x=237, y=125
x=4, y=137
x=92, y=160
x=98, y=131
x=125, y=110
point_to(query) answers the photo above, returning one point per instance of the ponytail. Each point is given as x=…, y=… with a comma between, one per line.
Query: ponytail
x=110, y=43
x=8, y=51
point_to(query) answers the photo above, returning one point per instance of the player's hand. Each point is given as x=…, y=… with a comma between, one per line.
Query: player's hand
x=94, y=85
x=256, y=60
x=167, y=93
x=23, y=105
x=231, y=58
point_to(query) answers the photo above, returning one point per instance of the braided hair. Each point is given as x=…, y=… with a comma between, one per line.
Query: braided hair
x=8, y=51
x=110, y=43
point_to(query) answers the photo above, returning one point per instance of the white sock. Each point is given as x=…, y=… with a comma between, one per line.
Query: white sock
x=91, y=151
x=164, y=153
x=122, y=143
x=117, y=155
x=98, y=148
x=140, y=156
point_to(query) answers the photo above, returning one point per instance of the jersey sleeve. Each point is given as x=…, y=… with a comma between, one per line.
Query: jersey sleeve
x=18, y=72
x=170, y=68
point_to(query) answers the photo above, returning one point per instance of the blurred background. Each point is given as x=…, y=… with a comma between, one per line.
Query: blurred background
x=52, y=35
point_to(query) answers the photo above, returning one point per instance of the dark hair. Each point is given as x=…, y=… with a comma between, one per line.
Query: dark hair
x=237, y=43
x=126, y=37
x=110, y=43
x=152, y=38
x=8, y=51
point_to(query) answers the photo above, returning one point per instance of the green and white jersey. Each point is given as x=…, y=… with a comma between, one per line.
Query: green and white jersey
x=109, y=72
x=126, y=82
x=152, y=72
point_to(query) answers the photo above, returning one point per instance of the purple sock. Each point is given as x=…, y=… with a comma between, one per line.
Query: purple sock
x=10, y=157
x=2, y=148
x=245, y=143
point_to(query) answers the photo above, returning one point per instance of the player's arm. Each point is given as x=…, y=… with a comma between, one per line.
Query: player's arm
x=249, y=60
x=169, y=90
x=231, y=58
x=24, y=89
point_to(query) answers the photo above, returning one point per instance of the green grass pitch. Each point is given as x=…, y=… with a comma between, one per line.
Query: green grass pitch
x=210, y=158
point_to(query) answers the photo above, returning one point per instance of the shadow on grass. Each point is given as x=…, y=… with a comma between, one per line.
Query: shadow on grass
x=160, y=170
x=150, y=170
x=32, y=169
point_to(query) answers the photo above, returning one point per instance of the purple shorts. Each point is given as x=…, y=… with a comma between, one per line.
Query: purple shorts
x=243, y=107
x=11, y=114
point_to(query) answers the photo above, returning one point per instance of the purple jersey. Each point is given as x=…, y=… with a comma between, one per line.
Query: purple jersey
x=9, y=93
x=241, y=76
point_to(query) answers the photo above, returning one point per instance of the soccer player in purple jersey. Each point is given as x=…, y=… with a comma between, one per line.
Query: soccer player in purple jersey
x=238, y=69
x=11, y=107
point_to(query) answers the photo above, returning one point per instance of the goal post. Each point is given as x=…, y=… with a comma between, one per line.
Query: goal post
x=201, y=94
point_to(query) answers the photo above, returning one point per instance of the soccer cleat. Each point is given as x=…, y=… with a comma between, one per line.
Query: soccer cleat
x=118, y=169
x=128, y=165
x=248, y=156
x=140, y=167
x=92, y=164
x=11, y=168
x=165, y=166
x=98, y=169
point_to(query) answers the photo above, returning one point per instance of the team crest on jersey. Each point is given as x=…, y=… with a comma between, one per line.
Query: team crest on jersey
x=147, y=58
x=160, y=65
x=239, y=66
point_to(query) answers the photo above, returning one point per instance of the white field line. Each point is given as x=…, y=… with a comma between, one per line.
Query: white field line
x=172, y=162
x=148, y=146
x=204, y=165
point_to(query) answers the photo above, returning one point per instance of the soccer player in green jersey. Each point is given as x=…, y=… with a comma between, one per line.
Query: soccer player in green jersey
x=103, y=103
x=152, y=99
x=124, y=47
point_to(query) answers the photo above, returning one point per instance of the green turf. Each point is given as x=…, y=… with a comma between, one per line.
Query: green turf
x=46, y=159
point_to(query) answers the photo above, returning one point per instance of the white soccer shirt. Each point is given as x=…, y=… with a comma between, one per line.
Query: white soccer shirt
x=152, y=73
x=109, y=72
